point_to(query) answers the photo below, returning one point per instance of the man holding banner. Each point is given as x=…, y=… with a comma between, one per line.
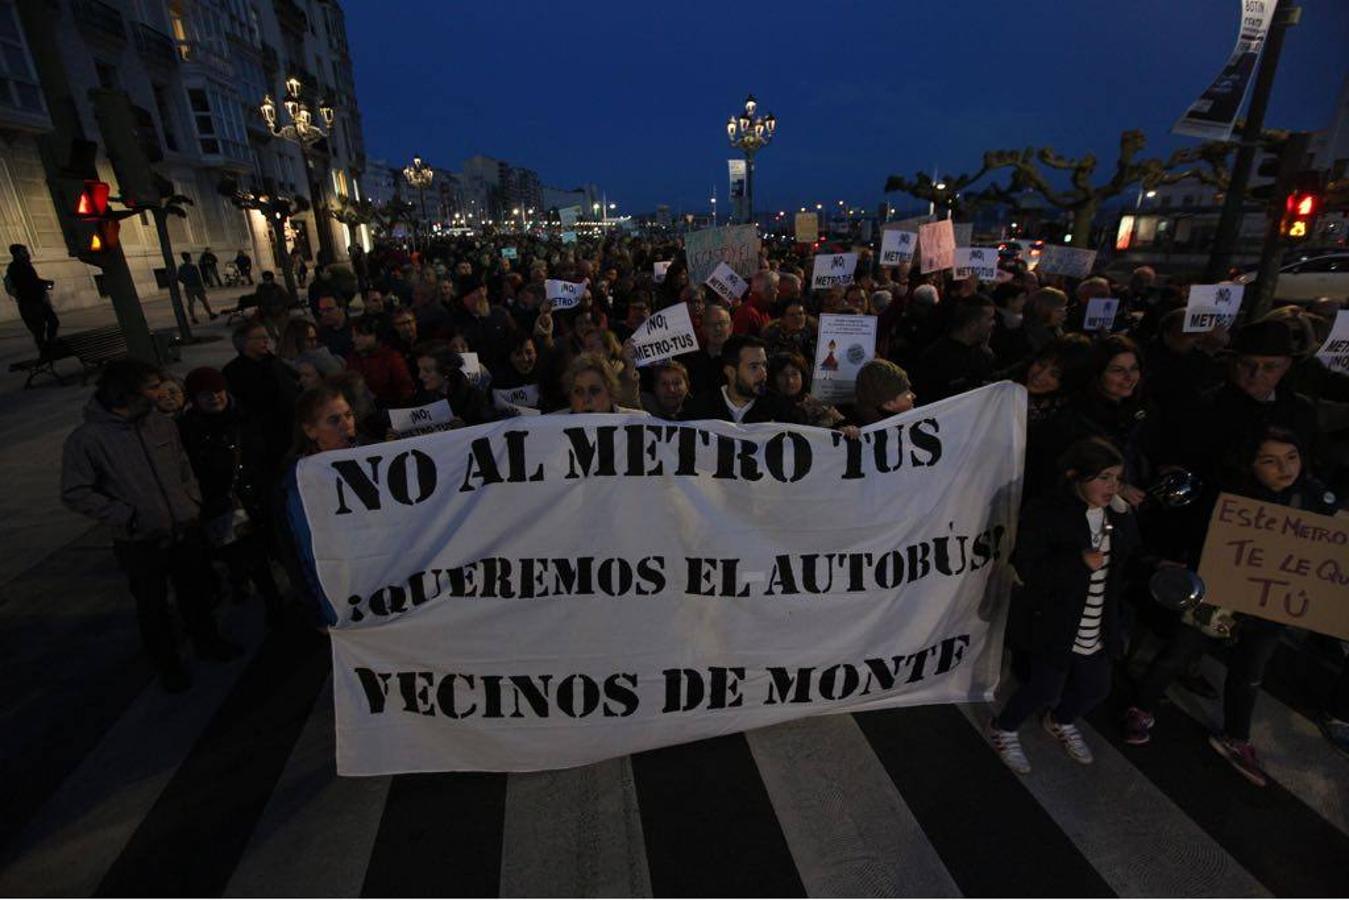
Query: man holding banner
x=743, y=398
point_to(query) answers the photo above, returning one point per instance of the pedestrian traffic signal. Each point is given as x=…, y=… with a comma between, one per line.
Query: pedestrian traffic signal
x=93, y=200
x=1302, y=206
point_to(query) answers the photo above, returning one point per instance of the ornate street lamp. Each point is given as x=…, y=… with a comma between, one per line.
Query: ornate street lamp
x=750, y=133
x=303, y=131
x=420, y=176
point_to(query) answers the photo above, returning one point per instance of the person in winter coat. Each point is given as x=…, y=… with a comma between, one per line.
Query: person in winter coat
x=440, y=373
x=1073, y=547
x=265, y=386
x=125, y=468
x=381, y=366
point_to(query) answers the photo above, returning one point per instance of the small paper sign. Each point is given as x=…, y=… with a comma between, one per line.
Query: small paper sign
x=1212, y=306
x=728, y=285
x=807, y=228
x=982, y=262
x=658, y=271
x=563, y=294
x=509, y=253
x=1071, y=261
x=471, y=367
x=897, y=246
x=936, y=246
x=833, y=270
x=421, y=419
x=664, y=335
x=845, y=344
x=1334, y=353
x=568, y=237
x=1100, y=314
x=526, y=396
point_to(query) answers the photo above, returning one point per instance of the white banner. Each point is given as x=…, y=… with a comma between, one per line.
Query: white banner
x=1334, y=353
x=520, y=597
x=421, y=419
x=658, y=271
x=981, y=262
x=1212, y=306
x=936, y=246
x=1074, y=262
x=564, y=294
x=1212, y=115
x=897, y=246
x=833, y=270
x=1100, y=315
x=664, y=335
x=523, y=399
x=735, y=245
x=728, y=285
x=845, y=344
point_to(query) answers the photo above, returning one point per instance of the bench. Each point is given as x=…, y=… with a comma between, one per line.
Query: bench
x=44, y=364
x=95, y=348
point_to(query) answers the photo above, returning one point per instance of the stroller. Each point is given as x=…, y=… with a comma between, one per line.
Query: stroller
x=231, y=276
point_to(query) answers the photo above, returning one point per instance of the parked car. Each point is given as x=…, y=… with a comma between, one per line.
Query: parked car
x=1326, y=275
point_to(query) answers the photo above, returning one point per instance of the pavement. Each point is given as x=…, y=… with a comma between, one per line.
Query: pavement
x=113, y=787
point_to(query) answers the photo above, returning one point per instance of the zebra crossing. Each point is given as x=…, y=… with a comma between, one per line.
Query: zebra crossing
x=231, y=790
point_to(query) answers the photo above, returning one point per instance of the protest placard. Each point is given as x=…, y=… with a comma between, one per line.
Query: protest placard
x=664, y=335
x=421, y=419
x=735, y=245
x=477, y=623
x=568, y=237
x=523, y=400
x=833, y=270
x=964, y=232
x=471, y=367
x=563, y=294
x=1100, y=315
x=658, y=271
x=807, y=228
x=936, y=246
x=509, y=253
x=1334, y=353
x=1073, y=262
x=1278, y=563
x=569, y=215
x=1212, y=306
x=897, y=246
x=845, y=344
x=981, y=262
x=728, y=285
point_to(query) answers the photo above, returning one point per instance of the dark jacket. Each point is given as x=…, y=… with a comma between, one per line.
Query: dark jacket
x=229, y=457
x=1131, y=426
x=1227, y=416
x=267, y=389
x=385, y=373
x=951, y=367
x=28, y=286
x=769, y=407
x=130, y=474
x=1047, y=609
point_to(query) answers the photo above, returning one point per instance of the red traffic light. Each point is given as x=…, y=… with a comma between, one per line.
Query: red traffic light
x=1306, y=205
x=93, y=202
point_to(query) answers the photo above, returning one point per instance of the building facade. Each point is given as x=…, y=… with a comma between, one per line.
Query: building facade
x=195, y=72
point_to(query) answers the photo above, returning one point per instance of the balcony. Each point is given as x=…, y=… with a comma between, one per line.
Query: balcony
x=99, y=19
x=156, y=47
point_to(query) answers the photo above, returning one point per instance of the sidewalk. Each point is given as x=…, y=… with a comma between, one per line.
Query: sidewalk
x=34, y=424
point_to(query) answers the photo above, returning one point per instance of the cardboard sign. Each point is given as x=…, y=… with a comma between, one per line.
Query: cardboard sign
x=1212, y=306
x=1278, y=563
x=833, y=270
x=421, y=419
x=897, y=246
x=564, y=294
x=728, y=285
x=525, y=397
x=568, y=237
x=1073, y=262
x=664, y=335
x=509, y=253
x=982, y=262
x=1334, y=353
x=964, y=232
x=807, y=228
x=1100, y=314
x=569, y=216
x=735, y=245
x=846, y=343
x=936, y=246
x=658, y=271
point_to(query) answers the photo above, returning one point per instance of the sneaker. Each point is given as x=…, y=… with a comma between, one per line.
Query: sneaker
x=1242, y=757
x=1008, y=746
x=1070, y=738
x=1336, y=731
x=1137, y=725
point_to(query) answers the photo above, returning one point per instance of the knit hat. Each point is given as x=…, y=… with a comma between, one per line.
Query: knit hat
x=1264, y=338
x=204, y=380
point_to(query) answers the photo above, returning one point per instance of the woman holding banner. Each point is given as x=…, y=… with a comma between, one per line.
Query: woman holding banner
x=592, y=386
x=1072, y=550
x=1269, y=467
x=441, y=376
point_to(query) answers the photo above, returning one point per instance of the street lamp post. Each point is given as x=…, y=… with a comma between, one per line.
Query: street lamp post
x=305, y=133
x=750, y=133
x=420, y=176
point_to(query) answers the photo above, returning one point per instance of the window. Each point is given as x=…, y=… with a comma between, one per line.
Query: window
x=166, y=122
x=19, y=87
x=218, y=116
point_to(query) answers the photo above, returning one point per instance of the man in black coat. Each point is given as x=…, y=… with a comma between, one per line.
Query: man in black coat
x=30, y=292
x=265, y=387
x=744, y=397
x=960, y=361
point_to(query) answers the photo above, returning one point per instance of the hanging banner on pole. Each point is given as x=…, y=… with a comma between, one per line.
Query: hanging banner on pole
x=1213, y=115
x=476, y=625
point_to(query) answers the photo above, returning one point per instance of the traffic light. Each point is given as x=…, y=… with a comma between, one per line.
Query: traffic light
x=92, y=230
x=1302, y=207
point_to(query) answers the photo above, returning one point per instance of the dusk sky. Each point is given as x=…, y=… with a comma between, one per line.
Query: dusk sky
x=634, y=96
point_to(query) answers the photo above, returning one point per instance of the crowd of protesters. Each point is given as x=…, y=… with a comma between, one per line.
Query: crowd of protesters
x=201, y=471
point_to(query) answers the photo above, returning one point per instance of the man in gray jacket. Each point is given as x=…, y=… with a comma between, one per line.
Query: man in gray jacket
x=125, y=467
